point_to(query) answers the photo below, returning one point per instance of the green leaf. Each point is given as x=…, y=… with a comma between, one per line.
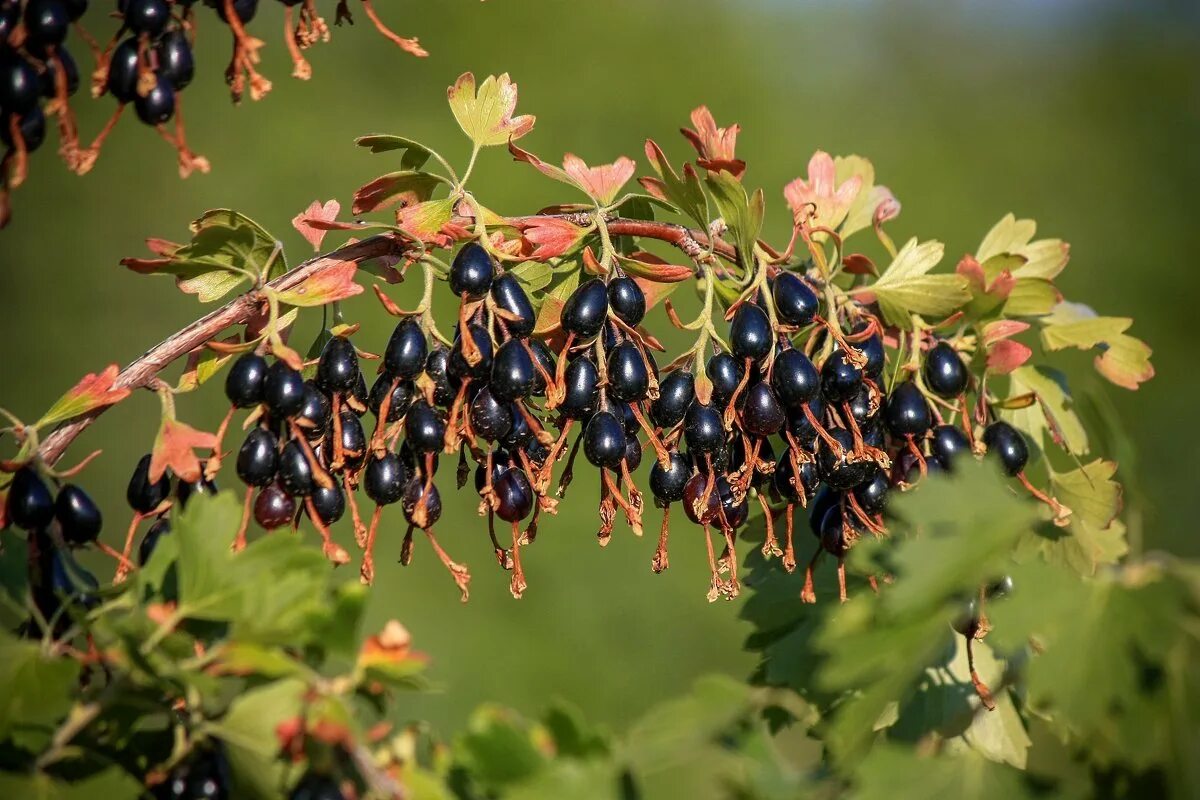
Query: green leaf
x=413, y=154
x=425, y=220
x=111, y=784
x=1053, y=415
x=1031, y=297
x=499, y=748
x=533, y=275
x=569, y=779
x=676, y=727
x=685, y=193
x=36, y=690
x=1124, y=360
x=204, y=532
x=486, y=114
x=889, y=772
x=742, y=212
x=551, y=305
x=907, y=288
x=1043, y=259
x=248, y=732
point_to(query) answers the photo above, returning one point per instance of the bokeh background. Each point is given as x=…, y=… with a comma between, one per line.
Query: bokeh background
x=1082, y=115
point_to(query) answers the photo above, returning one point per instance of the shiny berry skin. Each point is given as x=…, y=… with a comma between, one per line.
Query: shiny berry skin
x=944, y=371
x=258, y=457
x=159, y=105
x=872, y=348
x=424, y=429
x=184, y=490
x=799, y=425
x=633, y=452
x=78, y=515
x=283, y=391
x=245, y=385
x=627, y=300
x=313, y=416
x=725, y=372
x=784, y=476
x=586, y=309
x=840, y=380
x=582, y=386
x=519, y=434
x=604, y=440
x=512, y=372
x=330, y=503
x=401, y=396
x=49, y=78
x=500, y=462
x=732, y=513
x=295, y=471
x=175, y=60
x=46, y=21
x=123, y=71
x=10, y=17
x=150, y=540
x=542, y=356
x=667, y=484
x=948, y=443
x=384, y=479
x=762, y=414
x=147, y=16
x=628, y=378
x=750, y=333
x=490, y=418
x=906, y=412
x=510, y=296
x=693, y=490
x=32, y=126
x=1000, y=588
x=437, y=368
x=458, y=365
x=675, y=394
x=967, y=621
x=354, y=440
x=795, y=301
x=337, y=368
x=30, y=504
x=872, y=494
x=794, y=378
x=860, y=407
x=406, y=350
x=833, y=532
x=843, y=473
x=19, y=85
x=703, y=428
x=514, y=494
x=472, y=272
x=142, y=495
x=414, y=490
x=274, y=507
x=1007, y=443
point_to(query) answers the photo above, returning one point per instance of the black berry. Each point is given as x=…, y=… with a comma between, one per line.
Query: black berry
x=795, y=301
x=604, y=440
x=245, y=384
x=78, y=515
x=406, y=350
x=586, y=309
x=337, y=368
x=1008, y=444
x=30, y=504
x=627, y=300
x=472, y=272
x=944, y=371
x=258, y=457
x=384, y=479
x=142, y=495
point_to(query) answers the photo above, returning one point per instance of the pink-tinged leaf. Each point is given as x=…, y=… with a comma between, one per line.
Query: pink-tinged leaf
x=859, y=264
x=94, y=391
x=551, y=237
x=405, y=187
x=486, y=114
x=1126, y=362
x=971, y=269
x=549, y=316
x=316, y=211
x=655, y=188
x=714, y=145
x=174, y=448
x=601, y=183
x=888, y=208
x=655, y=291
x=162, y=247
x=1002, y=329
x=326, y=286
x=425, y=220
x=592, y=265
x=549, y=170
x=1006, y=355
x=819, y=199
x=287, y=355
x=653, y=269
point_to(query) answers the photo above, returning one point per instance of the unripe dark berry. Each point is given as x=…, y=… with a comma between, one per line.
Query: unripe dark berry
x=424, y=429
x=794, y=378
x=258, y=457
x=274, y=507
x=384, y=479
x=675, y=394
x=627, y=300
x=406, y=350
x=510, y=296
x=628, y=378
x=703, y=428
x=337, y=368
x=762, y=414
x=513, y=372
x=283, y=391
x=1008, y=444
x=142, y=495
x=604, y=440
x=30, y=504
x=795, y=301
x=515, y=495
x=472, y=271
x=907, y=411
x=586, y=309
x=750, y=333
x=78, y=515
x=944, y=371
x=245, y=385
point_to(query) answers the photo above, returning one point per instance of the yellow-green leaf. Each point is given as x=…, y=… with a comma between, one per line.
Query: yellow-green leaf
x=486, y=114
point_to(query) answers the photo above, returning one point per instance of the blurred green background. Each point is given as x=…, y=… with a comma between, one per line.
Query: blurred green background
x=1084, y=116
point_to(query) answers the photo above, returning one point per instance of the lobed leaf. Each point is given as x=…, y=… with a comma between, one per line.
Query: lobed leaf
x=486, y=114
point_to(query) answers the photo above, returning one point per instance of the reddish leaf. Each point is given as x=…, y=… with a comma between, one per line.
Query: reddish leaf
x=591, y=264
x=392, y=645
x=602, y=182
x=888, y=208
x=303, y=221
x=173, y=447
x=819, y=199
x=859, y=264
x=551, y=237
x=549, y=315
x=714, y=145
x=1006, y=355
x=326, y=286
x=406, y=188
x=1002, y=329
x=970, y=269
x=655, y=291
x=92, y=392
x=547, y=169
x=652, y=268
x=162, y=247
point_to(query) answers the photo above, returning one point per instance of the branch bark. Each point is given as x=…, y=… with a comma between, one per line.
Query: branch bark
x=144, y=369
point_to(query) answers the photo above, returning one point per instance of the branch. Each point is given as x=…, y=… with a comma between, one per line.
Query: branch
x=143, y=370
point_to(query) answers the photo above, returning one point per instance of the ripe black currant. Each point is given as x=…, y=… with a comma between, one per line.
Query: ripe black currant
x=246, y=381
x=948, y=443
x=30, y=504
x=175, y=60
x=762, y=414
x=582, y=385
x=515, y=495
x=633, y=452
x=147, y=16
x=1007, y=443
x=274, y=507
x=295, y=471
x=785, y=479
x=472, y=271
x=795, y=301
x=49, y=78
x=424, y=429
x=406, y=350
x=150, y=540
x=840, y=379
x=627, y=300
x=693, y=491
x=945, y=373
x=258, y=457
x=907, y=411
x=799, y=425
x=872, y=348
x=19, y=86
x=490, y=418
x=32, y=125
x=703, y=429
x=314, y=415
x=519, y=435
x=734, y=514
x=384, y=479
x=604, y=440
x=414, y=490
x=158, y=105
x=314, y=786
x=46, y=21
x=585, y=310
x=142, y=495
x=437, y=368
x=628, y=377
x=337, y=368
x=123, y=71
x=725, y=372
x=185, y=489
x=872, y=494
x=542, y=356
x=283, y=390
x=833, y=532
x=794, y=378
x=354, y=439
x=78, y=515
x=513, y=372
x=510, y=296
x=329, y=502
x=845, y=472
x=401, y=396
x=459, y=367
x=750, y=333
x=675, y=394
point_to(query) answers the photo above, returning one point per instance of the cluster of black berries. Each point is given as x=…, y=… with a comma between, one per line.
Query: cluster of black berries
x=204, y=775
